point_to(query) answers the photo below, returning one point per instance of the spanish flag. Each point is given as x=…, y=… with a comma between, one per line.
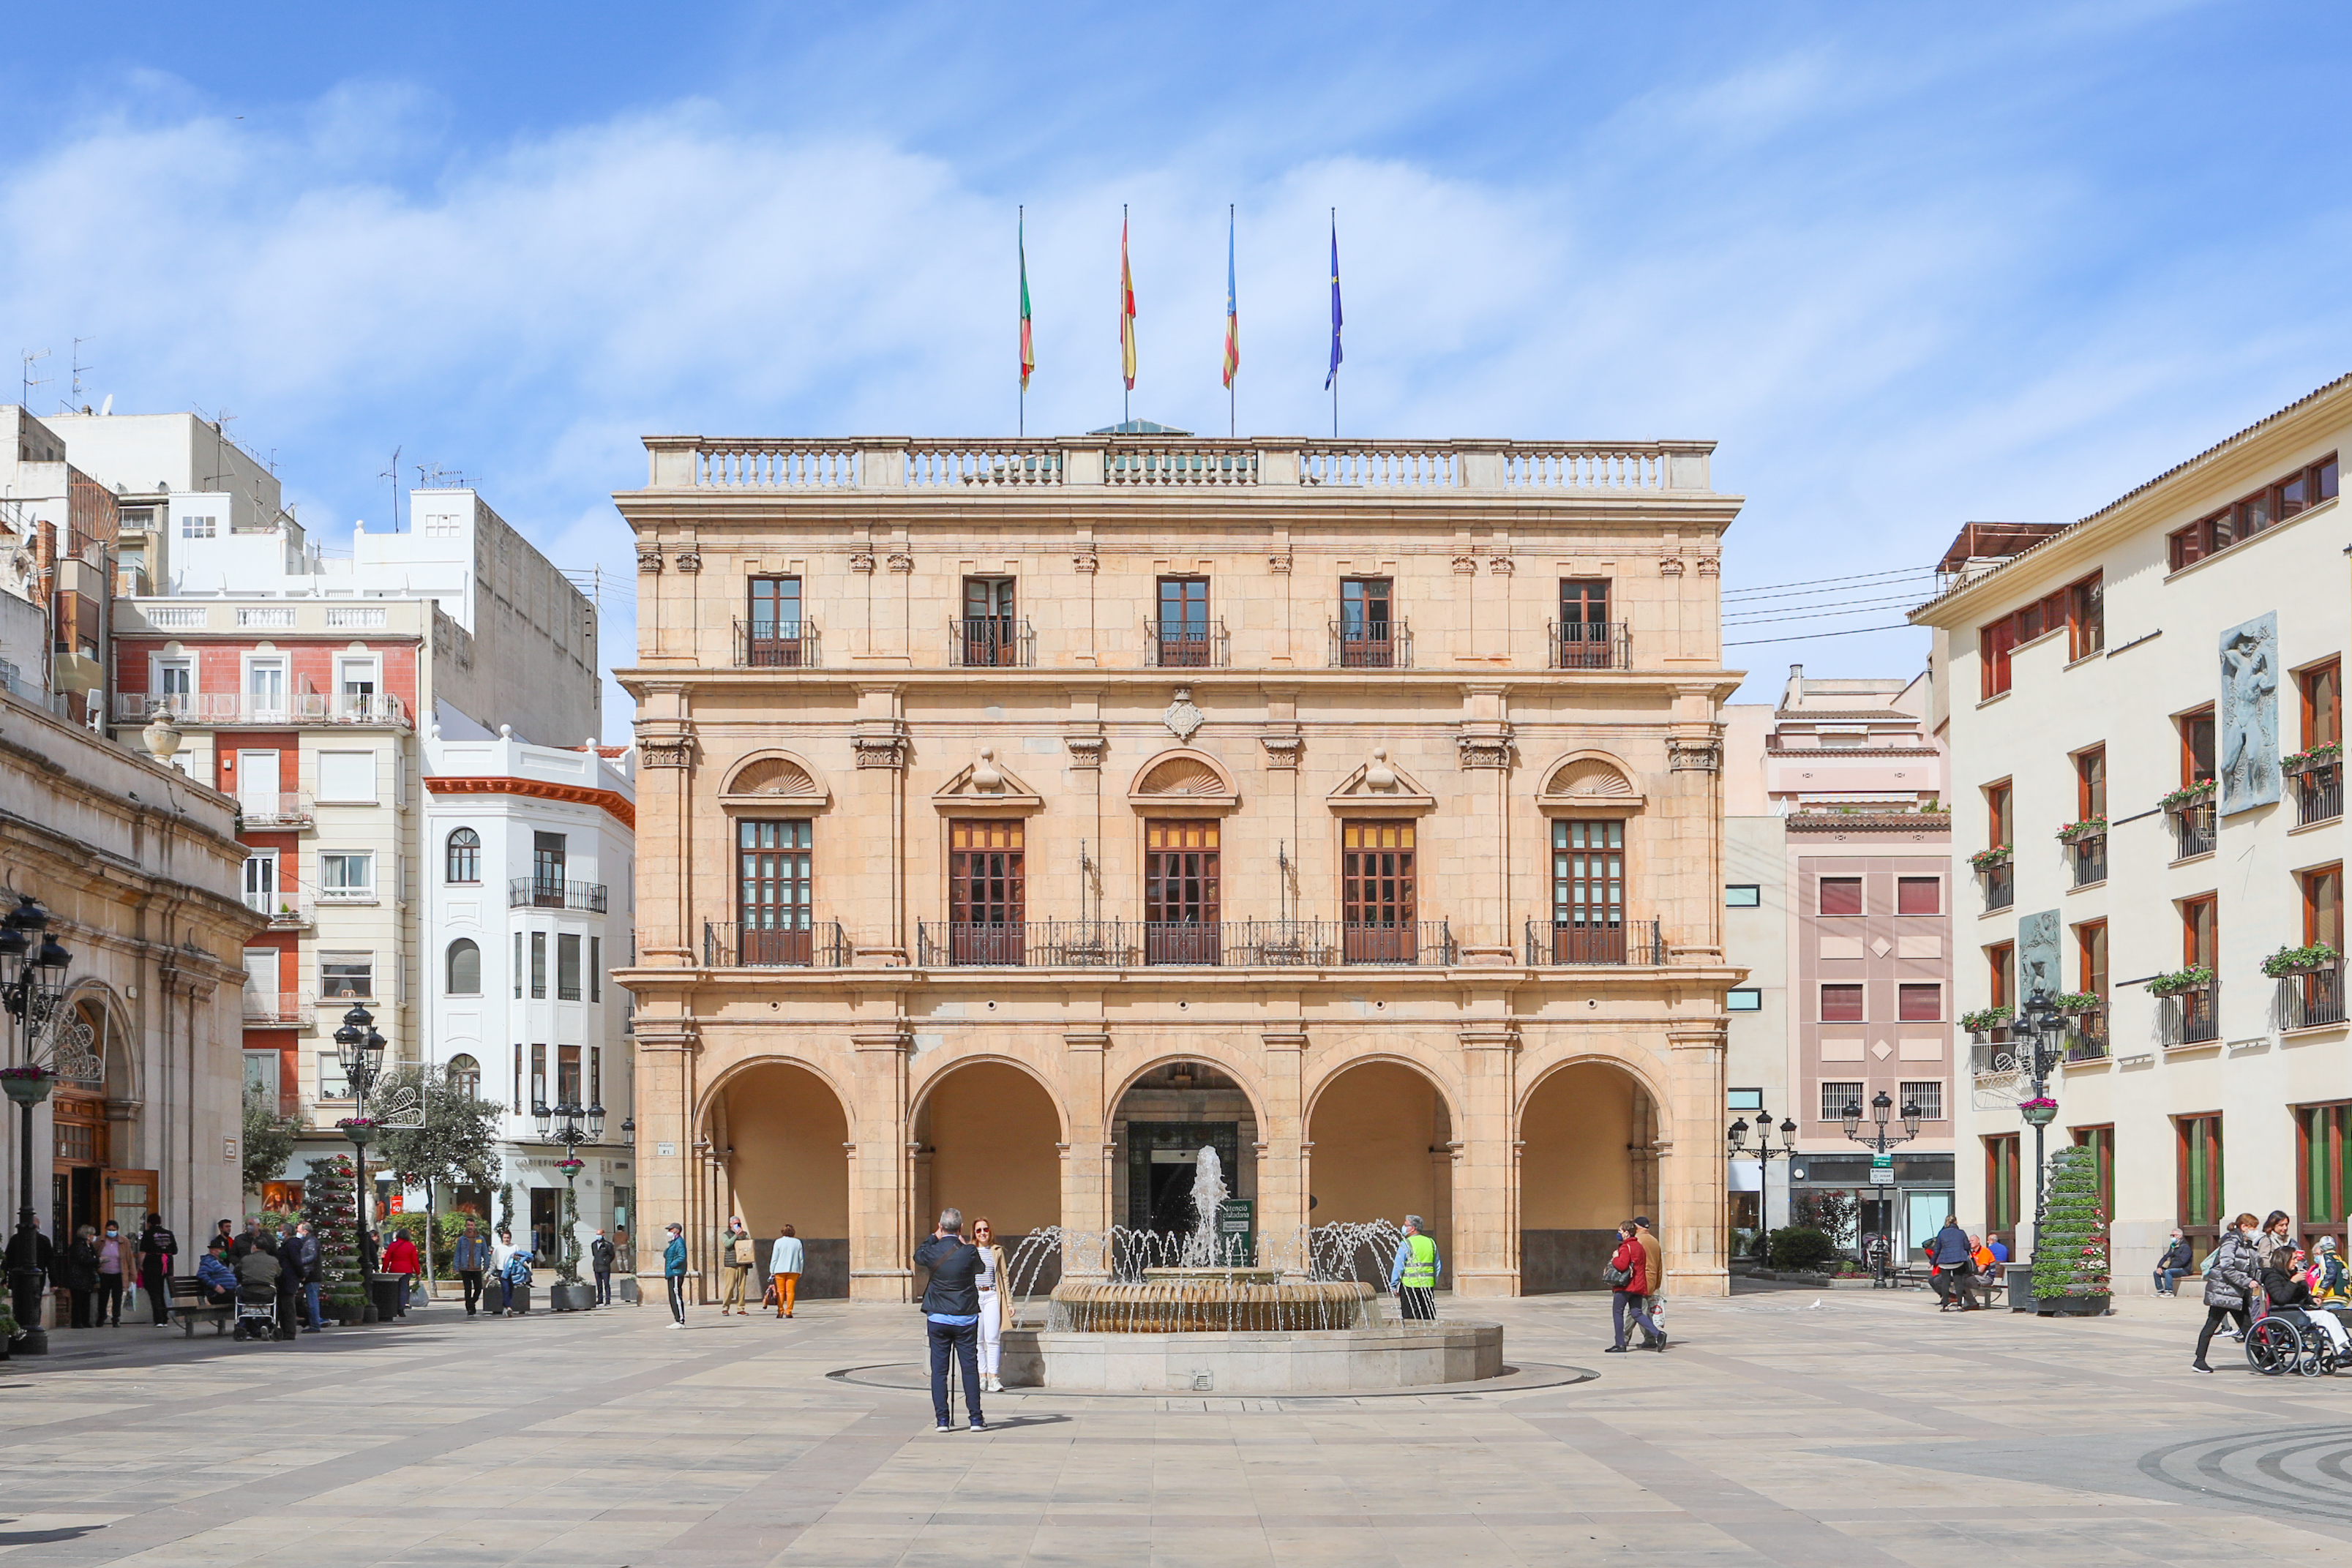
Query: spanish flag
x=1233, y=309
x=1126, y=309
x=1028, y=348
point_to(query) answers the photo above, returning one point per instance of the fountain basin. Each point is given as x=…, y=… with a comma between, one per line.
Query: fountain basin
x=1211, y=1301
x=1325, y=1361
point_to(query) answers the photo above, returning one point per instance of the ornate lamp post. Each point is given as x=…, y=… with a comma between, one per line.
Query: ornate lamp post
x=1735, y=1140
x=359, y=1050
x=1878, y=1140
x=570, y=1125
x=32, y=984
x=2044, y=1028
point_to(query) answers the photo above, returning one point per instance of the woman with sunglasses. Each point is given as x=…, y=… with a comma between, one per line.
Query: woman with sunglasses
x=993, y=1275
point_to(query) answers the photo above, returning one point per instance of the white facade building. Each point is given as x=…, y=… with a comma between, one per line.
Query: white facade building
x=2162, y=681
x=528, y=901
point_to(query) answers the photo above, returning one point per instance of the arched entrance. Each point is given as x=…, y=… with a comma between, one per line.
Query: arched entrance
x=1588, y=1136
x=1159, y=1128
x=1380, y=1147
x=987, y=1141
x=789, y=1165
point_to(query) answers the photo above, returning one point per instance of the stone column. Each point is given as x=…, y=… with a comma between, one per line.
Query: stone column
x=881, y=1235
x=666, y=1050
x=1692, y=1178
x=1085, y=1157
x=1485, y=1217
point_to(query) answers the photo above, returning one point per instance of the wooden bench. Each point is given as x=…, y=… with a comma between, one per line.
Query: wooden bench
x=189, y=1307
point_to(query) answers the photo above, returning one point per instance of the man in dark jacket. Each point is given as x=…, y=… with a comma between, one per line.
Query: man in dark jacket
x=600, y=1263
x=1950, y=1253
x=951, y=1314
x=157, y=1248
x=2177, y=1260
x=300, y=1253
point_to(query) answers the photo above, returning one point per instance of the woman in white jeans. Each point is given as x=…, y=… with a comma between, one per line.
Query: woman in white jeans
x=991, y=1282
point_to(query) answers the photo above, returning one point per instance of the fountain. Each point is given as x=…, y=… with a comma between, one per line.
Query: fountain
x=1151, y=1312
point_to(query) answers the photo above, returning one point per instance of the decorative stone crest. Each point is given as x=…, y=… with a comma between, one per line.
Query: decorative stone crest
x=1694, y=754
x=1181, y=717
x=1282, y=750
x=1485, y=745
x=689, y=560
x=862, y=560
x=649, y=559
x=901, y=562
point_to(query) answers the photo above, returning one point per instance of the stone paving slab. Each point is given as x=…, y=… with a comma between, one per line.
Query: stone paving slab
x=1836, y=1429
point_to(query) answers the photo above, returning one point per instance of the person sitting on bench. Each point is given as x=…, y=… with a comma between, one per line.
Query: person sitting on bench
x=217, y=1279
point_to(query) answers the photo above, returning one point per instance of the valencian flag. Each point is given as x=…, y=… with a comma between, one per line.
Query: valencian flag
x=1233, y=311
x=1126, y=309
x=1028, y=348
x=1335, y=355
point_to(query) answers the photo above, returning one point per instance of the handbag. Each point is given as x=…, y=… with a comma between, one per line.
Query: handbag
x=1612, y=1276
x=768, y=1299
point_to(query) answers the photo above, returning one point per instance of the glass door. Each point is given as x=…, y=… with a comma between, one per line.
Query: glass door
x=987, y=893
x=1588, y=893
x=1377, y=893
x=772, y=873
x=1180, y=894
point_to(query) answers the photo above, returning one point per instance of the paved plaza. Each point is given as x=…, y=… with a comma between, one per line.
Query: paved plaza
x=1784, y=1426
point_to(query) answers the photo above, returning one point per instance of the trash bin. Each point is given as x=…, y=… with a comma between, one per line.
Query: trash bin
x=383, y=1292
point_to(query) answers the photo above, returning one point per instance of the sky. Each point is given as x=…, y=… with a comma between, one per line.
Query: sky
x=1910, y=266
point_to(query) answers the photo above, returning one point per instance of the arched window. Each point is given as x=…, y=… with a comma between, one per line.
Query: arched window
x=465, y=968
x=465, y=863
x=466, y=1076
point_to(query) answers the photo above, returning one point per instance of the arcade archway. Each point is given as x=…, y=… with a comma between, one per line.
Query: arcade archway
x=1380, y=1147
x=988, y=1140
x=789, y=1163
x=1587, y=1133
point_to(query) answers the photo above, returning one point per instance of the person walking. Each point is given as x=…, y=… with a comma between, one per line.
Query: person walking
x=77, y=1272
x=991, y=1285
x=305, y=1260
x=400, y=1258
x=157, y=1248
x=674, y=1272
x=2177, y=1260
x=743, y=1257
x=1412, y=1273
x=472, y=1257
x=1629, y=1292
x=290, y=1287
x=1653, y=1252
x=600, y=1263
x=1948, y=1252
x=951, y=1315
x=2231, y=1272
x=785, y=1258
x=113, y=1253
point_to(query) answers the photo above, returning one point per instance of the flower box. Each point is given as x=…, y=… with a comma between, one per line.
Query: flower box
x=2088, y=827
x=1989, y=859
x=359, y=1130
x=2078, y=1002
x=2181, y=982
x=2038, y=1113
x=1985, y=1021
x=2316, y=757
x=28, y=1085
x=2306, y=960
x=2194, y=795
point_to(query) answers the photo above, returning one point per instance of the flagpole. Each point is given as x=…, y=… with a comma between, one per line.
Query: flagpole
x=1335, y=323
x=1126, y=392
x=1021, y=220
x=1233, y=419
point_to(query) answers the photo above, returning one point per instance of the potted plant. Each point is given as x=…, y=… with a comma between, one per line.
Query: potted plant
x=1984, y=1021
x=2190, y=795
x=2301, y=960
x=2088, y=827
x=2317, y=756
x=2181, y=982
x=1992, y=859
x=2038, y=1111
x=2078, y=1002
x=2070, y=1254
x=28, y=1085
x=359, y=1130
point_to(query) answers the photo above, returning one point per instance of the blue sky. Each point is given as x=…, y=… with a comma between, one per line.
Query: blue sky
x=1909, y=265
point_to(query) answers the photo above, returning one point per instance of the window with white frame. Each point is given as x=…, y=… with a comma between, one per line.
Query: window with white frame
x=1836, y=1097
x=346, y=977
x=261, y=882
x=174, y=682
x=332, y=1084
x=348, y=777
x=199, y=525
x=347, y=873
x=264, y=687
x=1927, y=1094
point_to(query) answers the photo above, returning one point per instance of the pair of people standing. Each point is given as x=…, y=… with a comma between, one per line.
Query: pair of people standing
x=963, y=1312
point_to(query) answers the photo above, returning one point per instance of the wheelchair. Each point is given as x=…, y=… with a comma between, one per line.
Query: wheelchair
x=256, y=1312
x=2277, y=1345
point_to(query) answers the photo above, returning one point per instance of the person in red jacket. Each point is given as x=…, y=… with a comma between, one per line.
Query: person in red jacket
x=1629, y=1291
x=400, y=1258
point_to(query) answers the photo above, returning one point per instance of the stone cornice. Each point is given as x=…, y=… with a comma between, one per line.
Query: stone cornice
x=612, y=802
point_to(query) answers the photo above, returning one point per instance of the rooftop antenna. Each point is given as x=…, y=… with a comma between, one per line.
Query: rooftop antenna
x=392, y=473
x=31, y=356
x=76, y=405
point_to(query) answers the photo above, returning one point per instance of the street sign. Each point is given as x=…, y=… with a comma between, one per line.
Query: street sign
x=1881, y=1170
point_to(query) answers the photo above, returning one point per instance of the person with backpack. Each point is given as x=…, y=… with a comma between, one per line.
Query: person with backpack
x=1629, y=1292
x=2231, y=1280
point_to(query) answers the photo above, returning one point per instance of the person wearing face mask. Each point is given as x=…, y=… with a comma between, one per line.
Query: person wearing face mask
x=2232, y=1275
x=113, y=1253
x=2175, y=1262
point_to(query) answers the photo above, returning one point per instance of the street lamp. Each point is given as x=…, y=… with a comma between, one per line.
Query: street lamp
x=32, y=984
x=570, y=1125
x=1735, y=1139
x=2043, y=1028
x=359, y=1049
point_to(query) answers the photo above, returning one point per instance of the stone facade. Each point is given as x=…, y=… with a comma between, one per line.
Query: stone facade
x=989, y=718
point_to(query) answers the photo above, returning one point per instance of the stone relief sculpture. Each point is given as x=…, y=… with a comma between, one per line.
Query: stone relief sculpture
x=2247, y=732
x=2037, y=956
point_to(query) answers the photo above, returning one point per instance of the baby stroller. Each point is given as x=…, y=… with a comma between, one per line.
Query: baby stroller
x=257, y=1311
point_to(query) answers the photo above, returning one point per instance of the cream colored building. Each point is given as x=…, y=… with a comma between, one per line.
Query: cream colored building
x=1453, y=707
x=2155, y=675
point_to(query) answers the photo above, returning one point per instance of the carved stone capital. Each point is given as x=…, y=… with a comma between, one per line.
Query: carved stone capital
x=1278, y=564
x=689, y=560
x=880, y=745
x=1466, y=565
x=901, y=562
x=649, y=558
x=1710, y=566
x=1670, y=566
x=1088, y=562
x=1502, y=566
x=1694, y=754
x=1283, y=749
x=1484, y=743
x=861, y=560
x=1086, y=750
x=664, y=743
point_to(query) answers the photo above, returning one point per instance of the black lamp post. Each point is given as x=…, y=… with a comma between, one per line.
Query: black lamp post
x=32, y=984
x=359, y=1050
x=2043, y=1028
x=1735, y=1139
x=571, y=1125
x=1878, y=1140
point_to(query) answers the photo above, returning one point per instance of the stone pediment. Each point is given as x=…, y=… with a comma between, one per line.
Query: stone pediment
x=1589, y=780
x=776, y=779
x=1184, y=778
x=1381, y=785
x=986, y=785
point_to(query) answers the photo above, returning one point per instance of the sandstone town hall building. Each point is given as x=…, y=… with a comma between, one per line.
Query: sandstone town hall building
x=1017, y=817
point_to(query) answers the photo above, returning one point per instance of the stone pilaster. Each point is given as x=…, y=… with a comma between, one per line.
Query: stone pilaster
x=1486, y=1217
x=881, y=1235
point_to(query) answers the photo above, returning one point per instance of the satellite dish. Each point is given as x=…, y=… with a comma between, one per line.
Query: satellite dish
x=108, y=406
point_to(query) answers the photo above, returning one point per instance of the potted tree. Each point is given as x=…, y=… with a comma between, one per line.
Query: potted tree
x=327, y=1204
x=2070, y=1253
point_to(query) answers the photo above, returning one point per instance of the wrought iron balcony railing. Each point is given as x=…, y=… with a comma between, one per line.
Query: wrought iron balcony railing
x=1590, y=645
x=546, y=893
x=1231, y=944
x=2000, y=886
x=2086, y=1040
x=777, y=645
x=2319, y=793
x=2089, y=858
x=733, y=945
x=2192, y=830
x=992, y=643
x=2191, y=1017
x=1372, y=646
x=1185, y=644
x=1551, y=942
x=2313, y=1000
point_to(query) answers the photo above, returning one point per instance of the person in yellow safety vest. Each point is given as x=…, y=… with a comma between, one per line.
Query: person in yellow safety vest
x=1413, y=1275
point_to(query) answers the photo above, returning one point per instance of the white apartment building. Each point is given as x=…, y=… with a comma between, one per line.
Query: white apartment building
x=1838, y=900
x=529, y=901
x=2162, y=683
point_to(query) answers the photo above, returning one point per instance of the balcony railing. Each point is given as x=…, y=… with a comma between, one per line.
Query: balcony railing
x=276, y=1009
x=2319, y=794
x=731, y=944
x=545, y=893
x=1372, y=646
x=2192, y=830
x=1230, y=944
x=1185, y=645
x=2192, y=1018
x=1553, y=941
x=210, y=709
x=992, y=643
x=1590, y=645
x=777, y=645
x=2086, y=1040
x=287, y=911
x=2000, y=886
x=286, y=809
x=2089, y=858
x=2313, y=999
x=1997, y=1056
